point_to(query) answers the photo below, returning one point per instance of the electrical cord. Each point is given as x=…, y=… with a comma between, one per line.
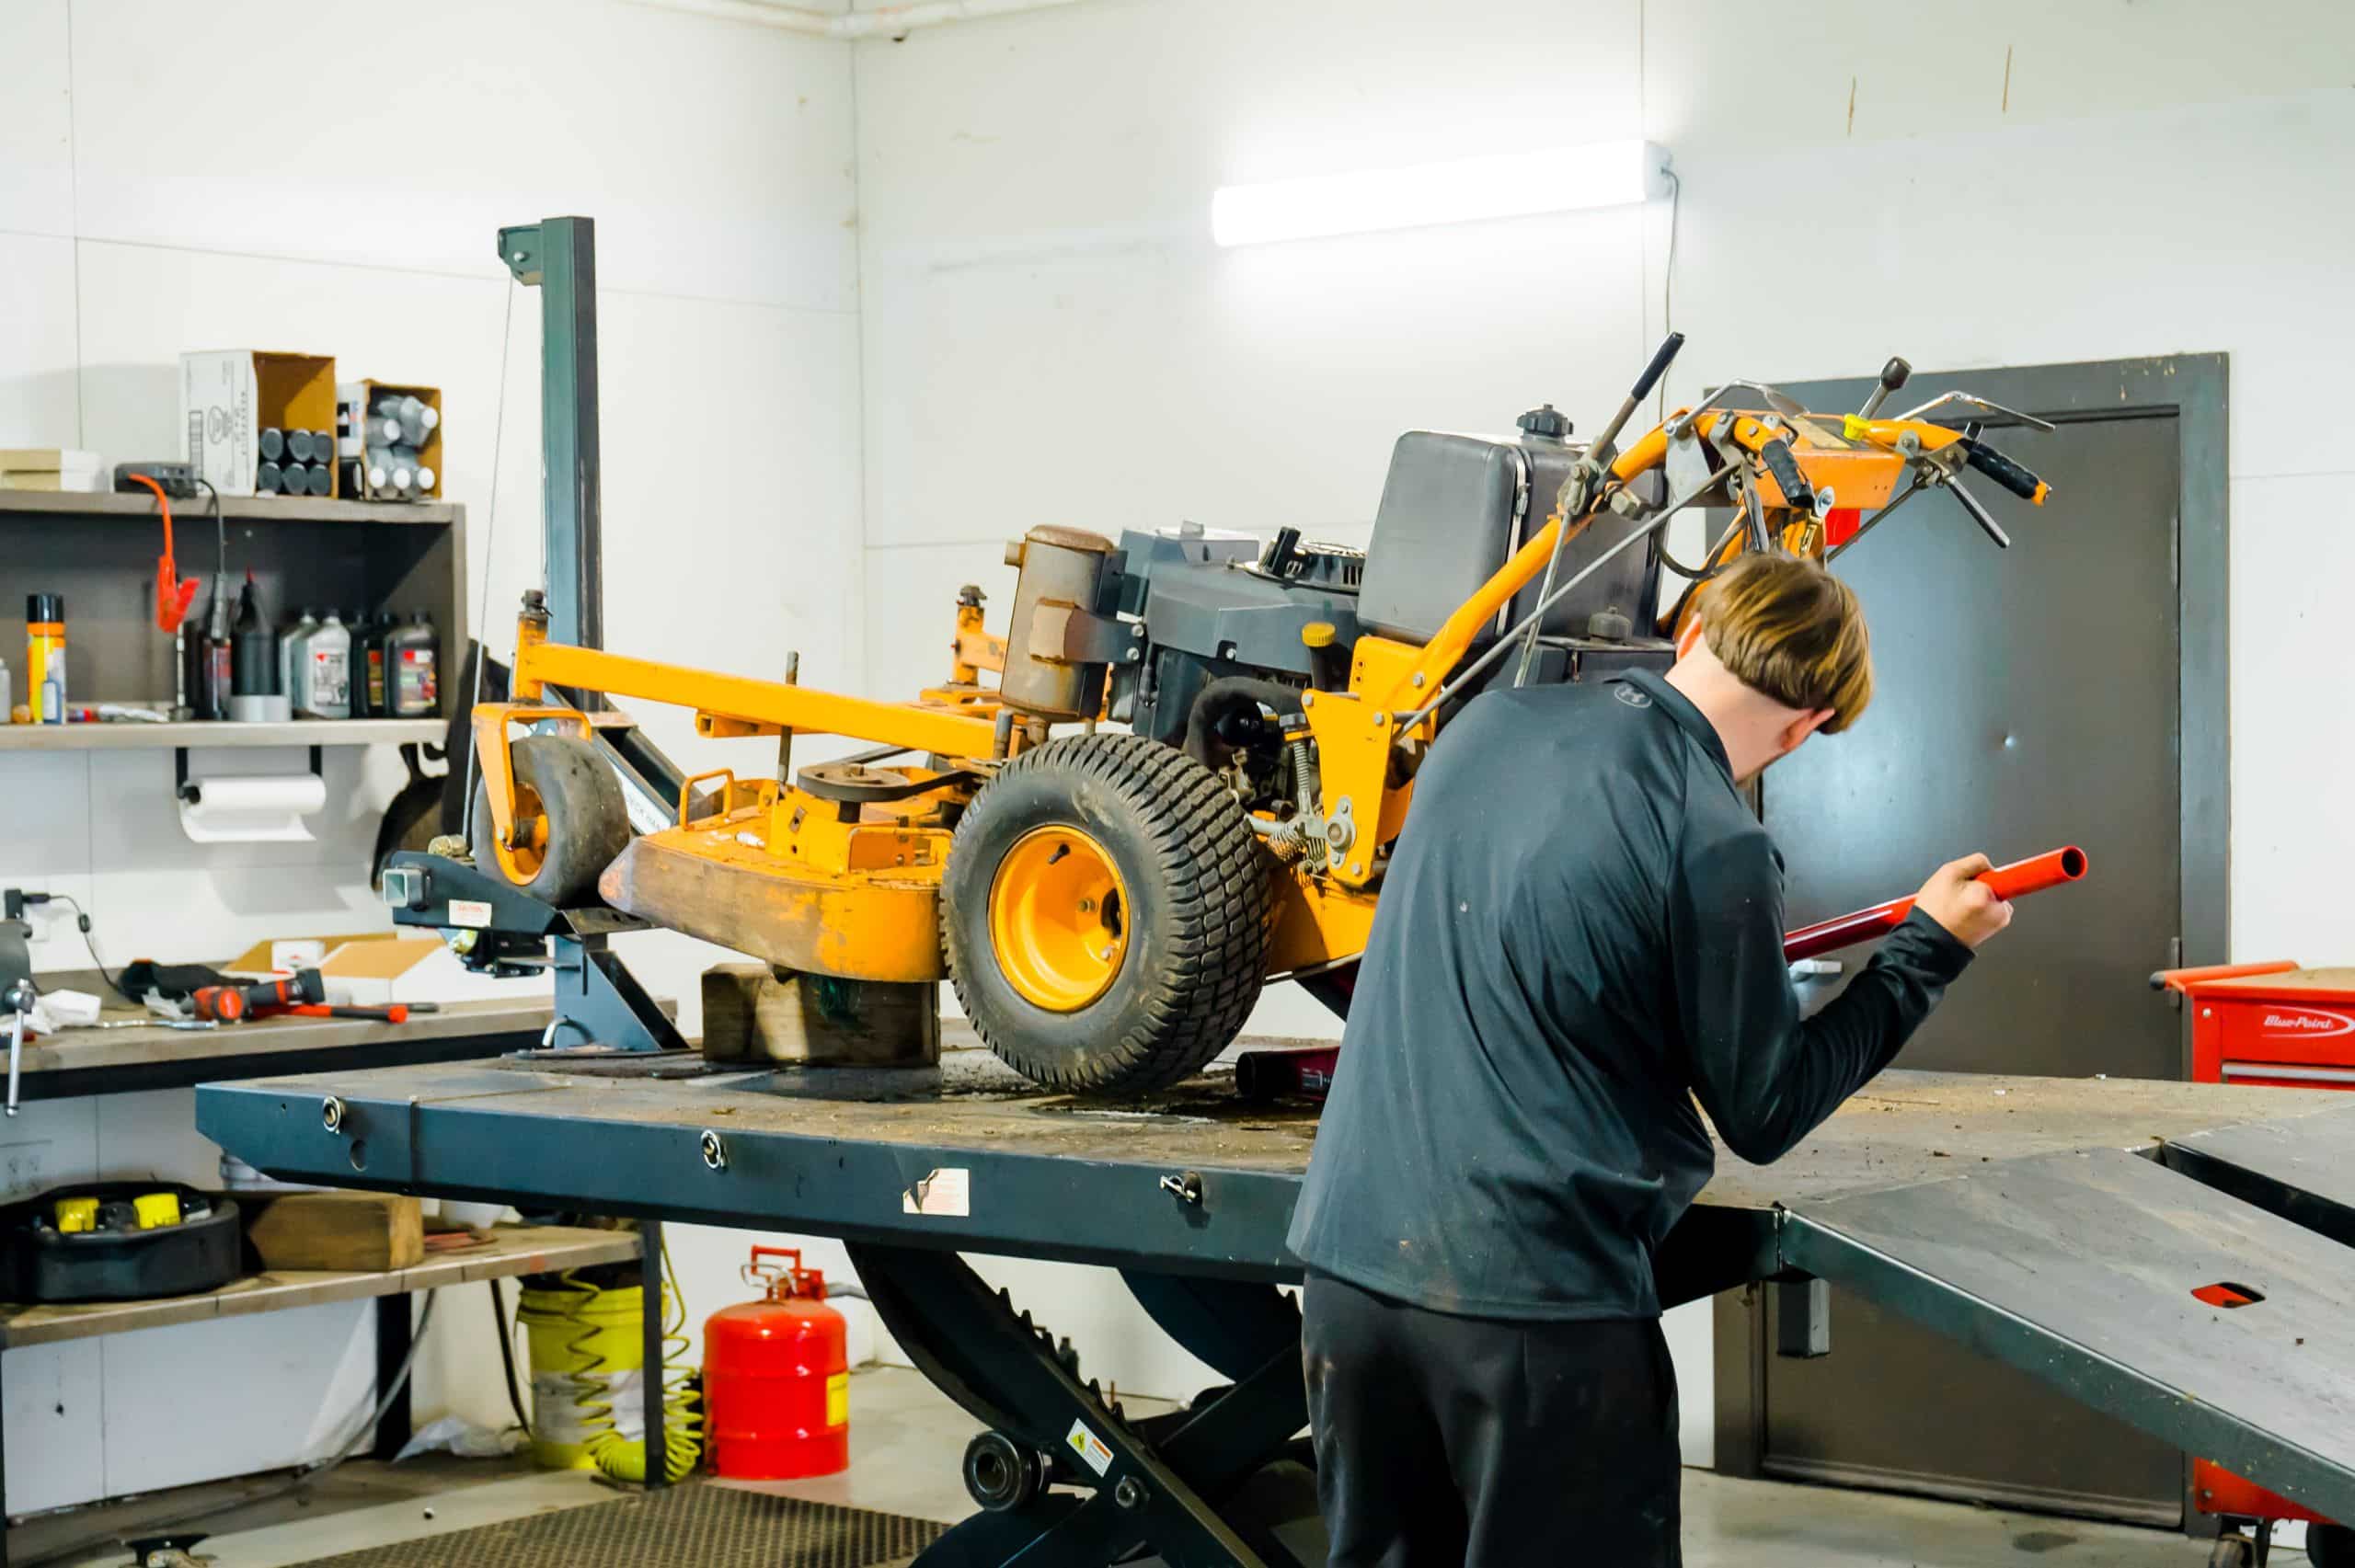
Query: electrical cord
x=1667, y=277
x=82, y=923
x=221, y=524
x=303, y=1477
x=616, y=1456
x=490, y=542
x=507, y=1357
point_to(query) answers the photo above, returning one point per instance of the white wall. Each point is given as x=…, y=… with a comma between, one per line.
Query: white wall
x=329, y=180
x=1052, y=337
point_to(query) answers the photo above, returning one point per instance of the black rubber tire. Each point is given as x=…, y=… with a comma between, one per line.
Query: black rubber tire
x=2330, y=1546
x=1198, y=898
x=588, y=819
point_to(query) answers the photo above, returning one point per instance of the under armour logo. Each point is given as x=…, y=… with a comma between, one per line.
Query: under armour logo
x=1632, y=696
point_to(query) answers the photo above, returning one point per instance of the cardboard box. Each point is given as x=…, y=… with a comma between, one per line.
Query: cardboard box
x=372, y=971
x=229, y=396
x=361, y=397
x=50, y=468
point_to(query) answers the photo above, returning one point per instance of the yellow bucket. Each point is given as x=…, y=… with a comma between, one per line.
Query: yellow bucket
x=576, y=1334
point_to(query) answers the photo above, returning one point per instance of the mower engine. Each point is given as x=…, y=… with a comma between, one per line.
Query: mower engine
x=1197, y=630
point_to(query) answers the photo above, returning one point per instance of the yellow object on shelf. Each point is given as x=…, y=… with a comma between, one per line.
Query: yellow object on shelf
x=75, y=1214
x=156, y=1210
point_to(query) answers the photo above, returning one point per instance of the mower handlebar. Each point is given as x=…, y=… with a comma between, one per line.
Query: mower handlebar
x=2011, y=476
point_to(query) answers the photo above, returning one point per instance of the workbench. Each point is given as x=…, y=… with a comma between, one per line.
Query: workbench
x=510, y=1251
x=2059, y=1224
x=123, y=1061
x=77, y=1062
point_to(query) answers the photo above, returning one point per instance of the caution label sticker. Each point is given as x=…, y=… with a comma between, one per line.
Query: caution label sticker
x=947, y=1190
x=1089, y=1447
x=473, y=913
x=838, y=1400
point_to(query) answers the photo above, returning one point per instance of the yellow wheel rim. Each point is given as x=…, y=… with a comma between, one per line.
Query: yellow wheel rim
x=522, y=861
x=1059, y=919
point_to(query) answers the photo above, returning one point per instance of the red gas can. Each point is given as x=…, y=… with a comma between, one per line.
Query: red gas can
x=777, y=1376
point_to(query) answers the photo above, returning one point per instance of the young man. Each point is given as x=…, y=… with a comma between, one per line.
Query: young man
x=1580, y=935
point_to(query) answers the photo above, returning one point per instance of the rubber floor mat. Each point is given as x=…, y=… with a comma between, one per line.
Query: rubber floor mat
x=694, y=1525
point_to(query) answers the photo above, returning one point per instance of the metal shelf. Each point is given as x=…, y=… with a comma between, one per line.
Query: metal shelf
x=236, y=508
x=173, y=736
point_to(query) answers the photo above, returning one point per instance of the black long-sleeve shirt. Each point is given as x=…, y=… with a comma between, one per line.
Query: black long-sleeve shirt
x=1579, y=936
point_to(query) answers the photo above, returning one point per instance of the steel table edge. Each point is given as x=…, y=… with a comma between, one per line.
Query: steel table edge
x=1064, y=1208
x=1808, y=1247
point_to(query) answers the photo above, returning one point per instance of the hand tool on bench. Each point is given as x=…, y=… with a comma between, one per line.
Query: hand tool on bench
x=231, y=1004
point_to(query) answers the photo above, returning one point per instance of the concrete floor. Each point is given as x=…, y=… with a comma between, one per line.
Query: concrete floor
x=906, y=1440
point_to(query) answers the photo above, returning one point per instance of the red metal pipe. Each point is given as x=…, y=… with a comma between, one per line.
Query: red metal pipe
x=2021, y=877
x=1266, y=1075
x=2185, y=981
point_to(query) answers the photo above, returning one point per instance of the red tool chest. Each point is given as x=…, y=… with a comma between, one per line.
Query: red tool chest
x=2285, y=1026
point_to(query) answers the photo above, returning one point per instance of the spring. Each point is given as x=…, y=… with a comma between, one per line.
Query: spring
x=614, y=1455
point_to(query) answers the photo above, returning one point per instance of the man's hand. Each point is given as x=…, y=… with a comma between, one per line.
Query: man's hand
x=1956, y=899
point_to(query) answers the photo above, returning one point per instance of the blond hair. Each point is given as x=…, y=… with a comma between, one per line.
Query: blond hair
x=1789, y=630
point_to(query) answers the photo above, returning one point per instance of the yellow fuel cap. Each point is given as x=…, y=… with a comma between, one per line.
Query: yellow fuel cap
x=1318, y=633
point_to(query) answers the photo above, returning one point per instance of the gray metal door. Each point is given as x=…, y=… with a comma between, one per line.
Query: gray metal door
x=2027, y=698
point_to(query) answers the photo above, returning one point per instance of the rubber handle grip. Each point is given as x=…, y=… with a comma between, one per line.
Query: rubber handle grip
x=1785, y=468
x=2004, y=472
x=1658, y=367
x=2017, y=880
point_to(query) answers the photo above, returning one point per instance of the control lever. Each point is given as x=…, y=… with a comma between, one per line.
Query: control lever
x=1893, y=375
x=1979, y=515
x=18, y=999
x=1600, y=453
x=1785, y=468
x=1577, y=491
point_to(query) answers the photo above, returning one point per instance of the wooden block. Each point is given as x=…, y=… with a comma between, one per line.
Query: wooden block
x=750, y=1014
x=354, y=1232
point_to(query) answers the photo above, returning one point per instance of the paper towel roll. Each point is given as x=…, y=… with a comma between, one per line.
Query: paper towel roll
x=251, y=810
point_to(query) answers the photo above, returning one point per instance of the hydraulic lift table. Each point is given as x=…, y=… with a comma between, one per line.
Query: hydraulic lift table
x=2070, y=1227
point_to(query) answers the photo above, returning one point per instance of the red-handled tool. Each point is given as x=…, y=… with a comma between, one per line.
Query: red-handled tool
x=229, y=1004
x=2017, y=880
x=397, y=1012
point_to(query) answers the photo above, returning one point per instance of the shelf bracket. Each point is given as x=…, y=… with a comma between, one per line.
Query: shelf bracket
x=185, y=791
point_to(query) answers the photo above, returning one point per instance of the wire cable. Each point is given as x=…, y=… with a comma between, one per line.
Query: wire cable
x=82, y=923
x=617, y=1457
x=1667, y=277
x=489, y=544
x=221, y=524
x=507, y=1357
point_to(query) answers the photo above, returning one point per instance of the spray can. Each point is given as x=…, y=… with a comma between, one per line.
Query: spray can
x=253, y=657
x=45, y=656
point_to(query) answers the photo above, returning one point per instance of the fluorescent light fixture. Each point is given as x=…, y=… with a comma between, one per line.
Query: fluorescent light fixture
x=1505, y=184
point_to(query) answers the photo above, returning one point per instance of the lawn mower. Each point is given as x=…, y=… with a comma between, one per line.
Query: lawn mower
x=1109, y=901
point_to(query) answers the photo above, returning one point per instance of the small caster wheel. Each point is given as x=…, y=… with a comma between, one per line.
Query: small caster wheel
x=1000, y=1473
x=2233, y=1551
x=2330, y=1546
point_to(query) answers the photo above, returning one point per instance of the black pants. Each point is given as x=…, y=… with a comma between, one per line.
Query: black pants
x=1445, y=1440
